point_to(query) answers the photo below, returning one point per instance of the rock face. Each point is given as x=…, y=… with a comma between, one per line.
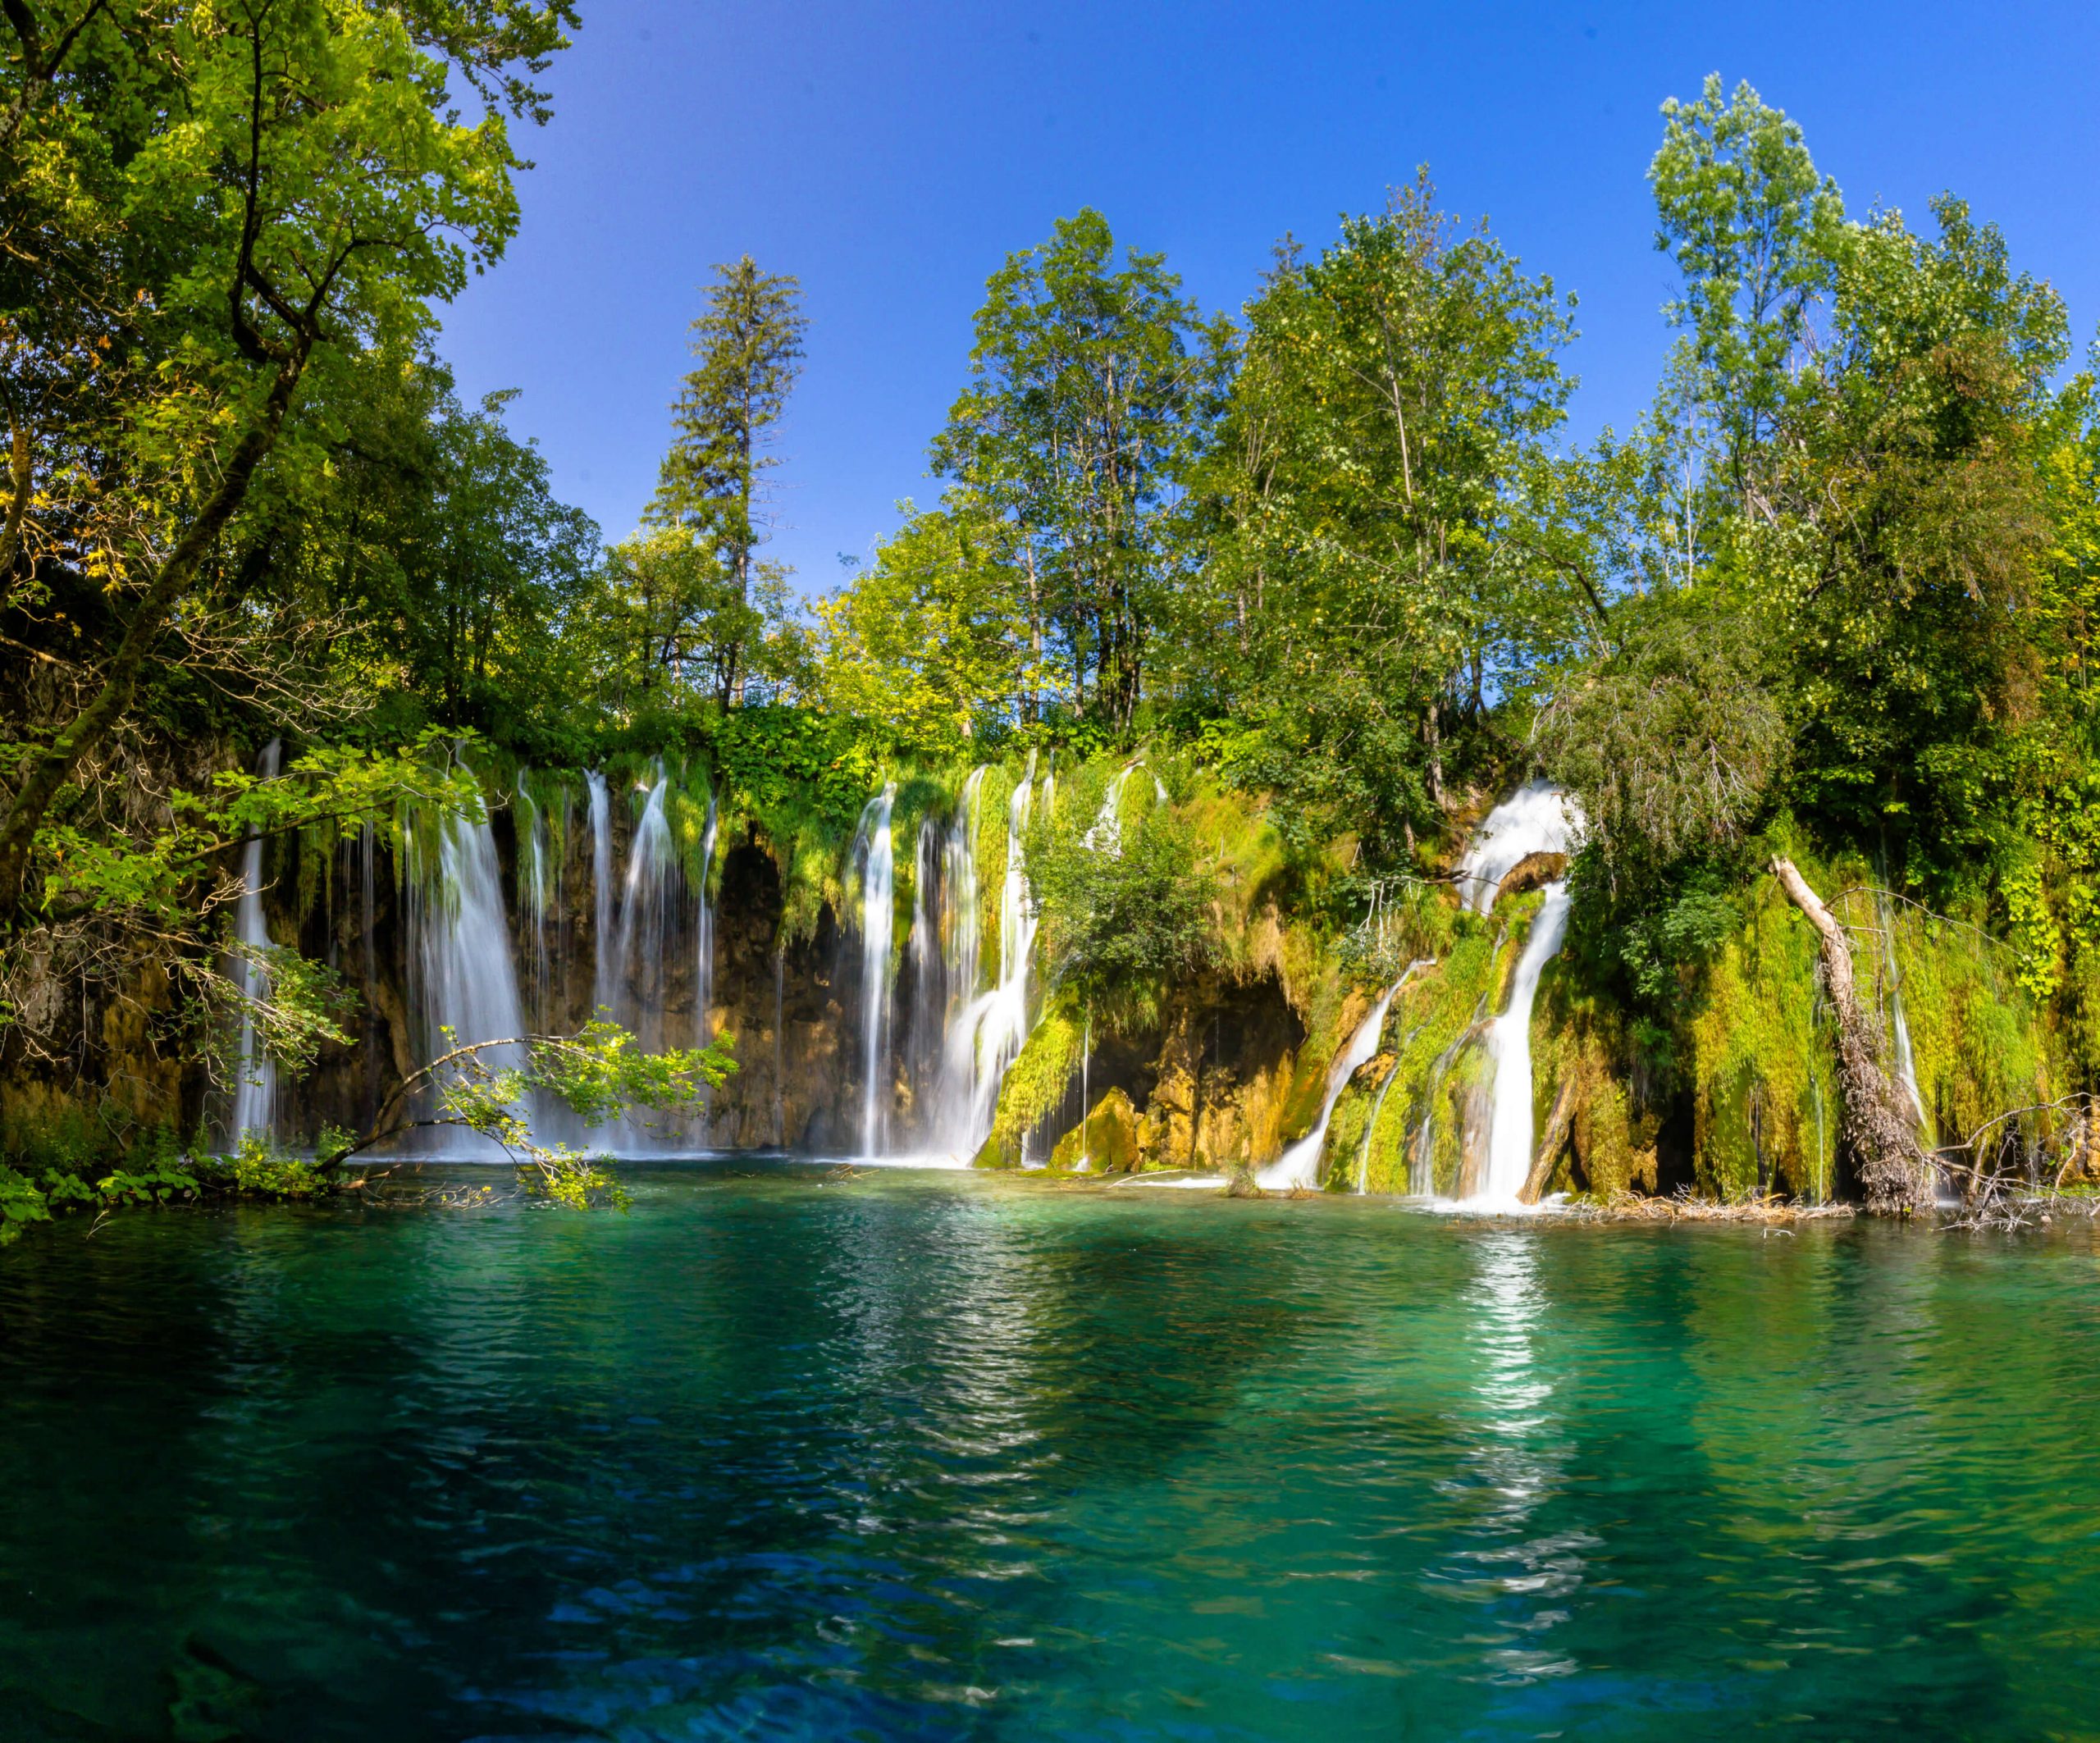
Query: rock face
x=1106, y=1141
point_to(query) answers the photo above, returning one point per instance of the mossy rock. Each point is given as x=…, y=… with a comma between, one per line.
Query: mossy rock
x=1107, y=1138
x=1035, y=1084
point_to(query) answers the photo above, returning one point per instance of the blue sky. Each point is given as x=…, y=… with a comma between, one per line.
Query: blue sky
x=891, y=155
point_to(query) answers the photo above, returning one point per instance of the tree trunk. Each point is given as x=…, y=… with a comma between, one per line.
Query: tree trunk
x=1435, y=758
x=1892, y=1168
x=1550, y=1146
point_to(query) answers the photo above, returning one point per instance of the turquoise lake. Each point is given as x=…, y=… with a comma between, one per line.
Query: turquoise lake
x=784, y=1455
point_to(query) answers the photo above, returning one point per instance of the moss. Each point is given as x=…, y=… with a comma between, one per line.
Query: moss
x=1427, y=1074
x=1760, y=1058
x=1107, y=1138
x=1035, y=1084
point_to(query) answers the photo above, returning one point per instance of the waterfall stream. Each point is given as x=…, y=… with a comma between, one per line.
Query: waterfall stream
x=1509, y=1140
x=1298, y=1167
x=1538, y=817
x=875, y=850
x=255, y=1087
x=461, y=981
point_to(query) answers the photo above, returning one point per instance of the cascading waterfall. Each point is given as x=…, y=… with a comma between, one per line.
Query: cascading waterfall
x=648, y=909
x=533, y=856
x=1538, y=817
x=703, y=986
x=925, y=959
x=874, y=850
x=1422, y=1164
x=1946, y=1190
x=1509, y=1134
x=1907, y=1059
x=1297, y=1169
x=255, y=1088
x=1385, y=1088
x=1003, y=1026
x=602, y=892
x=462, y=984
x=951, y=1118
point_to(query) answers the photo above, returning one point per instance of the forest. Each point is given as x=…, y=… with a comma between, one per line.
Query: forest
x=1809, y=646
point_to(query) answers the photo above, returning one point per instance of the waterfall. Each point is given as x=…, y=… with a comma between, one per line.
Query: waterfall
x=533, y=879
x=1907, y=1059
x=961, y=932
x=951, y=1117
x=1422, y=1167
x=985, y=1029
x=1385, y=1088
x=1537, y=818
x=992, y=1030
x=461, y=978
x=648, y=909
x=255, y=1088
x=1106, y=835
x=1509, y=1140
x=873, y=848
x=703, y=985
x=926, y=959
x=601, y=894
x=1299, y=1166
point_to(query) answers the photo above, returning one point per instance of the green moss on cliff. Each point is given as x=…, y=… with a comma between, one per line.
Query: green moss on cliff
x=1037, y=1082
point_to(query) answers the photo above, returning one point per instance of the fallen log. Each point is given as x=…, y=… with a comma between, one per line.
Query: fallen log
x=1894, y=1167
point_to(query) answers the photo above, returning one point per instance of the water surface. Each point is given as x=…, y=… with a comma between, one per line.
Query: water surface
x=939, y=1456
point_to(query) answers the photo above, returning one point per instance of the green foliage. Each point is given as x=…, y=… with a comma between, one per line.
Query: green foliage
x=147, y=1186
x=1755, y=231
x=1092, y=391
x=1393, y=396
x=481, y=1086
x=1125, y=910
x=1669, y=744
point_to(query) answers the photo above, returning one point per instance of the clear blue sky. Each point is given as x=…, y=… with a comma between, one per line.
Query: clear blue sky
x=890, y=155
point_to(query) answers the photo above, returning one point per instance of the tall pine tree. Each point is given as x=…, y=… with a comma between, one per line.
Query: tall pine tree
x=748, y=341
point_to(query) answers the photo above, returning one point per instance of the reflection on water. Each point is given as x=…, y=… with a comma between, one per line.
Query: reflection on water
x=783, y=1454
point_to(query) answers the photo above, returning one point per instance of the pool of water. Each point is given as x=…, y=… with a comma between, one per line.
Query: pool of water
x=936, y=1456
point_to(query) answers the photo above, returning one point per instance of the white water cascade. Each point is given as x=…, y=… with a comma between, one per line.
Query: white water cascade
x=461, y=980
x=988, y=1029
x=602, y=892
x=1906, y=1059
x=1510, y=1134
x=1538, y=817
x=1298, y=1167
x=875, y=850
x=255, y=1088
x=703, y=985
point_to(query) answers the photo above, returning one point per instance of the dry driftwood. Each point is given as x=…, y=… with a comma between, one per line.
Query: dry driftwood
x=1894, y=1167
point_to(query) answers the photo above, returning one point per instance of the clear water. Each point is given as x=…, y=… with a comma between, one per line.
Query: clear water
x=936, y=1456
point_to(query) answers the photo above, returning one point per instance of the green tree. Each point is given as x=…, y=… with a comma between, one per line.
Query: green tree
x=1756, y=234
x=1393, y=402
x=239, y=197
x=748, y=341
x=1093, y=391
x=926, y=644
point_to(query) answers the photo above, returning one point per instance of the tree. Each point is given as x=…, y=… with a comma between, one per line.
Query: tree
x=1093, y=391
x=749, y=342
x=1756, y=234
x=239, y=196
x=1393, y=400
x=928, y=644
